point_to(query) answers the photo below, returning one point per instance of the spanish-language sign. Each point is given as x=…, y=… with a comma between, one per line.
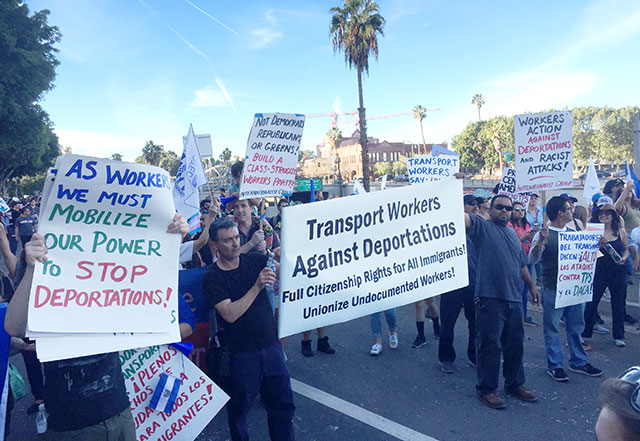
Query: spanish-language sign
x=349, y=257
x=112, y=265
x=272, y=155
x=507, y=186
x=577, y=254
x=427, y=168
x=544, y=158
x=198, y=400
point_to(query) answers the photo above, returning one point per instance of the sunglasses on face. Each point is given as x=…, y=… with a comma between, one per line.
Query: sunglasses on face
x=632, y=375
x=473, y=204
x=501, y=207
x=518, y=209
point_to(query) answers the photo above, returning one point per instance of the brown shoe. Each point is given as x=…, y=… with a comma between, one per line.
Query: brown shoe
x=492, y=400
x=524, y=394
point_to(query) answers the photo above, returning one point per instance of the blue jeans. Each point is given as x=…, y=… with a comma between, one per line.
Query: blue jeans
x=574, y=325
x=376, y=322
x=525, y=294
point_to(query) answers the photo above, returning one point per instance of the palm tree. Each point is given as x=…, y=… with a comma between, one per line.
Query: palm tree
x=355, y=28
x=335, y=137
x=420, y=113
x=478, y=101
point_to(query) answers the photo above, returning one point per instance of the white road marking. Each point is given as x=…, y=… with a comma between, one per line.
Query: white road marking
x=356, y=412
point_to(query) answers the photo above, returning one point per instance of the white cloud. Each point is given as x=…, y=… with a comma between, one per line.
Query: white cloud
x=208, y=97
x=266, y=36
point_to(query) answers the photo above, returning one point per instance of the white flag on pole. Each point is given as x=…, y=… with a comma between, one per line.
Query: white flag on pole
x=190, y=176
x=591, y=182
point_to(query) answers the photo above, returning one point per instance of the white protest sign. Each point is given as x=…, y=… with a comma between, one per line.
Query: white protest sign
x=199, y=399
x=272, y=155
x=577, y=255
x=544, y=158
x=350, y=257
x=112, y=266
x=427, y=168
x=507, y=186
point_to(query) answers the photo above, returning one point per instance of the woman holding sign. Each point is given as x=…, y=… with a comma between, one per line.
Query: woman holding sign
x=525, y=233
x=610, y=270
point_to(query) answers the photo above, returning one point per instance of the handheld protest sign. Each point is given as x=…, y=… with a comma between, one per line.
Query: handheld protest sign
x=112, y=264
x=429, y=168
x=507, y=186
x=354, y=256
x=577, y=255
x=272, y=155
x=544, y=158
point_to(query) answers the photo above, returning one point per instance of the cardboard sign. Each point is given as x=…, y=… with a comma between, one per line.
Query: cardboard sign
x=428, y=168
x=112, y=266
x=507, y=186
x=272, y=155
x=354, y=256
x=577, y=255
x=198, y=402
x=544, y=158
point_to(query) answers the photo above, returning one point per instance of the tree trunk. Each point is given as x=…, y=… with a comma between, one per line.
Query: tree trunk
x=363, y=134
x=479, y=119
x=423, y=141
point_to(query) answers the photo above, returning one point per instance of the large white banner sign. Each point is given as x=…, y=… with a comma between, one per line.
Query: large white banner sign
x=272, y=155
x=544, y=158
x=112, y=266
x=349, y=257
x=577, y=255
x=428, y=168
x=199, y=399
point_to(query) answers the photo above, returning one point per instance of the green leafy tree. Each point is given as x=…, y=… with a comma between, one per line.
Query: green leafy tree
x=151, y=154
x=470, y=147
x=170, y=162
x=225, y=156
x=383, y=168
x=420, y=113
x=478, y=101
x=335, y=138
x=27, y=70
x=399, y=167
x=116, y=157
x=355, y=28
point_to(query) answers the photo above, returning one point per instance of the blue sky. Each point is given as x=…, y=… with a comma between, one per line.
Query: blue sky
x=134, y=70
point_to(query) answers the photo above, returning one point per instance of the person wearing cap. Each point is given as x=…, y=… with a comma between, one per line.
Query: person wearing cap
x=544, y=249
x=610, y=270
x=613, y=188
x=452, y=302
x=534, y=213
x=619, y=419
x=575, y=224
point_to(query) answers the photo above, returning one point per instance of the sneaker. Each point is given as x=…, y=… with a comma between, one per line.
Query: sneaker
x=393, y=341
x=419, y=342
x=558, y=374
x=530, y=322
x=629, y=320
x=599, y=329
x=586, y=346
x=620, y=343
x=492, y=400
x=376, y=349
x=587, y=369
x=524, y=394
x=447, y=367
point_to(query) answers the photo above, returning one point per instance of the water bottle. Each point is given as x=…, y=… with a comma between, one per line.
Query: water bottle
x=271, y=263
x=41, y=419
x=612, y=252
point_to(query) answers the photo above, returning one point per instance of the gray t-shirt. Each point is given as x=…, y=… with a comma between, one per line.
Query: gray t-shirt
x=500, y=260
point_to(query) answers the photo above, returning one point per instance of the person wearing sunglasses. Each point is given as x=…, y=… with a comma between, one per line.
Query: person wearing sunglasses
x=619, y=419
x=610, y=270
x=502, y=266
x=544, y=249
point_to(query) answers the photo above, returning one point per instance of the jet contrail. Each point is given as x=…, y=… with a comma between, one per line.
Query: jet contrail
x=225, y=93
x=211, y=17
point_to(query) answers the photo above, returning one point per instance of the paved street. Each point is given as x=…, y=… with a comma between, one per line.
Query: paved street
x=402, y=394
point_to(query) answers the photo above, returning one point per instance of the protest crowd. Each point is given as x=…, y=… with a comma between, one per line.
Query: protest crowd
x=512, y=261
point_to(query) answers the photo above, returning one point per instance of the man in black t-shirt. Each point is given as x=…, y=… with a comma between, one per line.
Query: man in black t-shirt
x=234, y=285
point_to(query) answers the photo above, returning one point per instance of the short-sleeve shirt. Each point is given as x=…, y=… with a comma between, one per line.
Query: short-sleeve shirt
x=256, y=328
x=500, y=260
x=25, y=225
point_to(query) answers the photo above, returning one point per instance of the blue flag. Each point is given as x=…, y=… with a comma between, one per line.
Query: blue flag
x=632, y=176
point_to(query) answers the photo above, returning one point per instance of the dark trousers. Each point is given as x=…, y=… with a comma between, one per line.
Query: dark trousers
x=617, y=283
x=450, y=305
x=261, y=371
x=499, y=333
x=34, y=374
